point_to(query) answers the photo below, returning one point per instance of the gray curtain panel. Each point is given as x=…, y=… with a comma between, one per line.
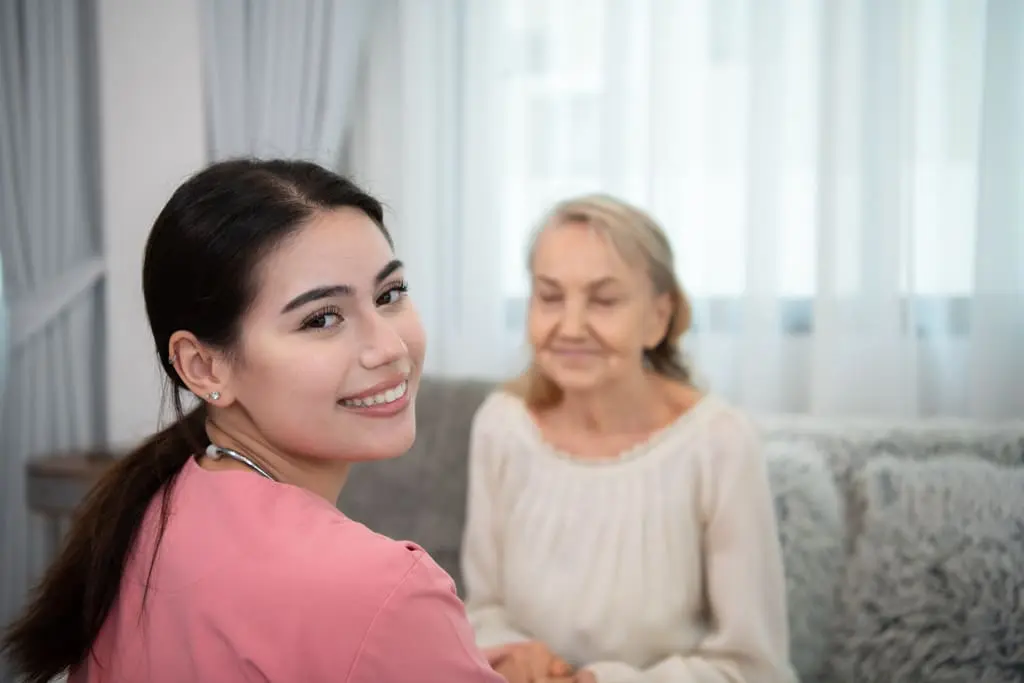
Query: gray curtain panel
x=5, y=344
x=281, y=76
x=49, y=236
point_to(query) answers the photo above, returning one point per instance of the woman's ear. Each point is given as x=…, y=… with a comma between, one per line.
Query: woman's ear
x=659, y=320
x=202, y=369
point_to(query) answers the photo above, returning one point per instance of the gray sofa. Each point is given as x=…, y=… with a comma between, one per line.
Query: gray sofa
x=903, y=542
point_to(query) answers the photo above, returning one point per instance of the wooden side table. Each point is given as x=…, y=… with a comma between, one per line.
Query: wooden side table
x=56, y=484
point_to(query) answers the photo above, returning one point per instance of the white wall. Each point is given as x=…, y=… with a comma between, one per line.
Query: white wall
x=152, y=136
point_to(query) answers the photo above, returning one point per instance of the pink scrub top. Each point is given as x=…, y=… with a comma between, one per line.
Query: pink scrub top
x=261, y=581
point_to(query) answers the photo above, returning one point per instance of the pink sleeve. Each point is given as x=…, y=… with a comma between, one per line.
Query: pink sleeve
x=421, y=633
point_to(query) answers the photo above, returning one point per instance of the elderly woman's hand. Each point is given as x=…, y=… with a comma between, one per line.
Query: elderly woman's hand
x=529, y=662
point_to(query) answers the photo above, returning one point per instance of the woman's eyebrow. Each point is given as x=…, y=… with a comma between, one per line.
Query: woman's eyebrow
x=328, y=291
x=392, y=266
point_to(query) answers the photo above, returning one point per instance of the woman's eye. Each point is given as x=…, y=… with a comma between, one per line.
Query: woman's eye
x=549, y=298
x=322, y=320
x=392, y=295
x=605, y=302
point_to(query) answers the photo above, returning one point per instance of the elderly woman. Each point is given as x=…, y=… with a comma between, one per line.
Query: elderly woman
x=620, y=525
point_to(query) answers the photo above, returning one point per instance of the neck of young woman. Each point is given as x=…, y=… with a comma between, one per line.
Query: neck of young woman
x=325, y=478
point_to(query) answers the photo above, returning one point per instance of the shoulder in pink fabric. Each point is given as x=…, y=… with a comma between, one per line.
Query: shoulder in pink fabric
x=260, y=581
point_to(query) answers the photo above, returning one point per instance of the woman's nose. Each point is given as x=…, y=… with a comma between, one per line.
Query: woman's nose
x=383, y=344
x=574, y=320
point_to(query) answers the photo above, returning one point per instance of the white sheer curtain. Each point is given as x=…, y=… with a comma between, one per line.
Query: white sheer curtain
x=841, y=181
x=281, y=75
x=422, y=103
x=49, y=236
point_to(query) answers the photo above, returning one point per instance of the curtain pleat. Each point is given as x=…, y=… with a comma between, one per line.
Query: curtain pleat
x=52, y=397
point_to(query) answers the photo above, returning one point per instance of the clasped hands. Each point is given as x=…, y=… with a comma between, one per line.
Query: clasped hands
x=533, y=662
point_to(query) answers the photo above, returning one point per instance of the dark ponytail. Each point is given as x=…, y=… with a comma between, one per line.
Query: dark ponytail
x=199, y=274
x=69, y=606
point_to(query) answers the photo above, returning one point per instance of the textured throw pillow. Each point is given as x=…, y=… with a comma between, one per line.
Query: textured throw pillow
x=934, y=589
x=807, y=505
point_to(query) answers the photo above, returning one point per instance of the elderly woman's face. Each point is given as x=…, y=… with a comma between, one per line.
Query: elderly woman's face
x=592, y=313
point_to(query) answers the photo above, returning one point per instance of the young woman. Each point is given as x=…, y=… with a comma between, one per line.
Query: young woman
x=214, y=551
x=619, y=519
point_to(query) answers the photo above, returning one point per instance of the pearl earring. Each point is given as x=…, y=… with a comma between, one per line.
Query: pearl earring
x=213, y=395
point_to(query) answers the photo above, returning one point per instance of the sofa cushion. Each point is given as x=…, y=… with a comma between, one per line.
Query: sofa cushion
x=421, y=496
x=807, y=505
x=933, y=590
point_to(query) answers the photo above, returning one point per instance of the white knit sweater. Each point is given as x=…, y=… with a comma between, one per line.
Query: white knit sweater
x=660, y=565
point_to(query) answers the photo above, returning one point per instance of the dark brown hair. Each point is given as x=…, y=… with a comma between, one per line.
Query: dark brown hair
x=199, y=274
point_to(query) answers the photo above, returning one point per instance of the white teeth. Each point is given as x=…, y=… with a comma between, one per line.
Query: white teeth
x=389, y=396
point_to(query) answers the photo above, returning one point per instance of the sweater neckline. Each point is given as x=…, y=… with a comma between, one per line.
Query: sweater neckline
x=636, y=452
